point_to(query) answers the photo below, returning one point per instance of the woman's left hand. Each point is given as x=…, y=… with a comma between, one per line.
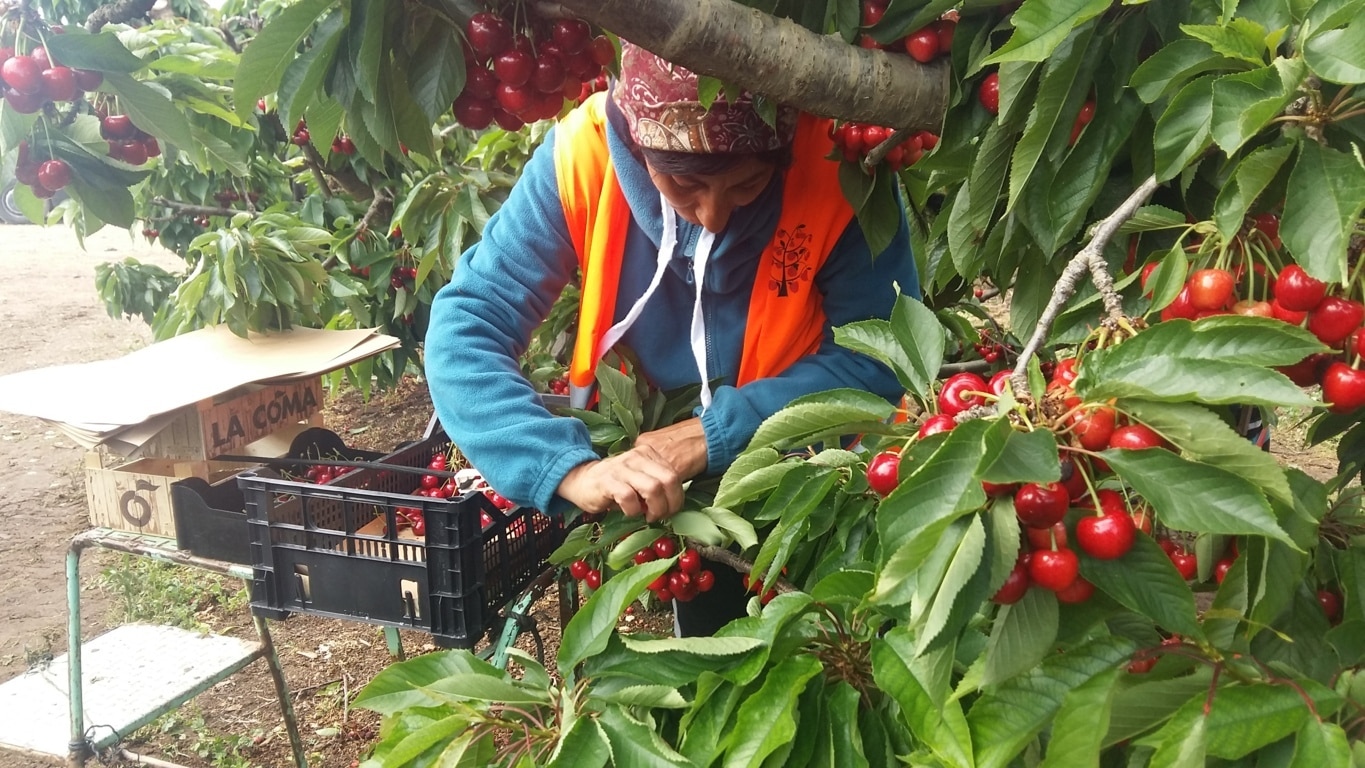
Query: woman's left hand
x=682, y=445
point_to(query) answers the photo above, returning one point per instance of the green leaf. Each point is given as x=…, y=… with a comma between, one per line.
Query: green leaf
x=649, y=696
x=1184, y=741
x=1022, y=636
x=1203, y=436
x=880, y=217
x=1172, y=66
x=582, y=745
x=911, y=343
x=989, y=171
x=825, y=415
x=1320, y=743
x=1183, y=130
x=419, y=741
x=1041, y=25
x=1254, y=173
x=1150, y=218
x=1244, y=104
x=1338, y=55
x=625, y=550
x=1004, y=720
x=1144, y=581
x=847, y=741
x=737, y=488
x=114, y=206
x=1244, y=718
x=1143, y=705
x=636, y=743
x=1059, y=81
x=587, y=633
x=1323, y=200
x=741, y=531
x=438, y=73
x=1169, y=277
x=1027, y=457
x=269, y=53
x=767, y=719
x=367, y=39
x=1190, y=496
x=301, y=83
x=708, y=647
x=102, y=52
x=965, y=563
x=705, y=728
x=1081, y=722
x=402, y=685
x=476, y=686
x=1241, y=38
x=151, y=110
x=1257, y=341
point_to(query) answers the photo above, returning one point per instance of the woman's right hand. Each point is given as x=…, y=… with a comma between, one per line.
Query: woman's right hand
x=638, y=482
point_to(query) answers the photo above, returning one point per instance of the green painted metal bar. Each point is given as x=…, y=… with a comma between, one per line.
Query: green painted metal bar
x=291, y=722
x=395, y=643
x=77, y=748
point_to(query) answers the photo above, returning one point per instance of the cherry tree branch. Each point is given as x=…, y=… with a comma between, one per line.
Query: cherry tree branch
x=726, y=557
x=1089, y=260
x=117, y=13
x=195, y=210
x=879, y=152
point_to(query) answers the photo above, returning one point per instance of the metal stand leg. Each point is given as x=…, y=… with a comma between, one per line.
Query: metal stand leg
x=78, y=747
x=291, y=723
x=395, y=643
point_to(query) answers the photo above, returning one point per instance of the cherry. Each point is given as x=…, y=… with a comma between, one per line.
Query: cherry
x=999, y=489
x=1016, y=583
x=489, y=34
x=593, y=579
x=1135, y=437
x=665, y=546
x=549, y=74
x=1141, y=666
x=1253, y=308
x=23, y=75
x=1106, y=536
x=645, y=555
x=1065, y=371
x=1079, y=591
x=679, y=583
x=1335, y=318
x=883, y=472
x=1041, y=505
x=989, y=93
x=1182, y=308
x=41, y=57
x=1221, y=568
x=603, y=52
x=1331, y=604
x=873, y=13
x=579, y=569
x=1185, y=563
x=89, y=79
x=514, y=67
x=117, y=127
x=515, y=99
x=1291, y=316
x=922, y=45
x=1073, y=478
x=507, y=120
x=24, y=103
x=1296, y=290
x=1047, y=538
x=1356, y=342
x=1054, y=569
x=59, y=84
x=1093, y=428
x=1343, y=387
x=473, y=113
x=1142, y=520
x=54, y=174
x=960, y=392
x=571, y=35
x=689, y=561
x=944, y=28
x=1211, y=288
x=704, y=581
x=1308, y=371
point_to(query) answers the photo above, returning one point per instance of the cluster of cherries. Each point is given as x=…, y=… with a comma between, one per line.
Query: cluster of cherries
x=398, y=278
x=923, y=45
x=44, y=177
x=127, y=142
x=558, y=386
x=343, y=145
x=301, y=135
x=33, y=79
x=855, y=141
x=990, y=348
x=519, y=76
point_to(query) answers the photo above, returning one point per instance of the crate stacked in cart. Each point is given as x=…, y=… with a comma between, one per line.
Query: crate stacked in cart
x=346, y=548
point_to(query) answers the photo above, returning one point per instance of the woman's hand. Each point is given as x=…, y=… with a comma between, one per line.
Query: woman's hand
x=683, y=446
x=640, y=482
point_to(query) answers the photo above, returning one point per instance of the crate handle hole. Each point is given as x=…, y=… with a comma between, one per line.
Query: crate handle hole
x=411, y=605
x=301, y=577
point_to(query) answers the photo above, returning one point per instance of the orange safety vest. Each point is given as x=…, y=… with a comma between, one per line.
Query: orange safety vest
x=786, y=315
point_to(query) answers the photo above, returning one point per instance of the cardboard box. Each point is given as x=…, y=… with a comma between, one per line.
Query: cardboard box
x=229, y=424
x=136, y=496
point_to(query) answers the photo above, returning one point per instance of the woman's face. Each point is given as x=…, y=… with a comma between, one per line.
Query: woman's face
x=708, y=200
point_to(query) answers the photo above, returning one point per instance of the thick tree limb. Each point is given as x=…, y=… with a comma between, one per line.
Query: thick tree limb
x=189, y=209
x=780, y=59
x=1089, y=260
x=117, y=13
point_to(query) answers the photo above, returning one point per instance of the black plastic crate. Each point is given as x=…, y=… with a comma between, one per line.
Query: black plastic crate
x=210, y=519
x=338, y=551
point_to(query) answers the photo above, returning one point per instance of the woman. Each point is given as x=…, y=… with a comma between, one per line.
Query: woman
x=712, y=244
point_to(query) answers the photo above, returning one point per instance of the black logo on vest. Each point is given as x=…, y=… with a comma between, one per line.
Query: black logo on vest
x=788, y=266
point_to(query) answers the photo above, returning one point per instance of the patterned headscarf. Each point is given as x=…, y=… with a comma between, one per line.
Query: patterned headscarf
x=661, y=106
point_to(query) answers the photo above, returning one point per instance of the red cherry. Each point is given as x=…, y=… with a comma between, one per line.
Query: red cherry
x=999, y=382
x=6, y=53
x=1211, y=288
x=999, y=489
x=1334, y=319
x=24, y=103
x=23, y=74
x=1054, y=569
x=1041, y=505
x=41, y=56
x=1135, y=437
x=989, y=93
x=1356, y=342
x=579, y=569
x=960, y=392
x=514, y=67
x=1106, y=536
x=645, y=555
x=133, y=152
x=571, y=35
x=473, y=113
x=1046, y=538
x=1073, y=478
x=665, y=547
x=1308, y=371
x=1269, y=225
x=1221, y=568
x=1079, y=591
x=515, y=99
x=1065, y=371
x=507, y=120
x=922, y=45
x=54, y=174
x=883, y=472
x=88, y=79
x=116, y=127
x=59, y=84
x=704, y=581
x=1331, y=604
x=944, y=28
x=603, y=52
x=1142, y=520
x=1253, y=308
x=1016, y=583
x=153, y=148
x=1182, y=308
x=489, y=34
x=1291, y=316
x=1343, y=387
x=1093, y=428
x=1298, y=291
x=1185, y=563
x=593, y=579
x=549, y=73
x=689, y=561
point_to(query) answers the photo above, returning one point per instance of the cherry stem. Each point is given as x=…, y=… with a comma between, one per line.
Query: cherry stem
x=1340, y=97
x=1213, y=686
x=1089, y=259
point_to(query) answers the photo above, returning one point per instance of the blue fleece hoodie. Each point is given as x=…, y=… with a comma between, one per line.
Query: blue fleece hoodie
x=504, y=286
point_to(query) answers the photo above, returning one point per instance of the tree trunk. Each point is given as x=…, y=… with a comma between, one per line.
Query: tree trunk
x=780, y=59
